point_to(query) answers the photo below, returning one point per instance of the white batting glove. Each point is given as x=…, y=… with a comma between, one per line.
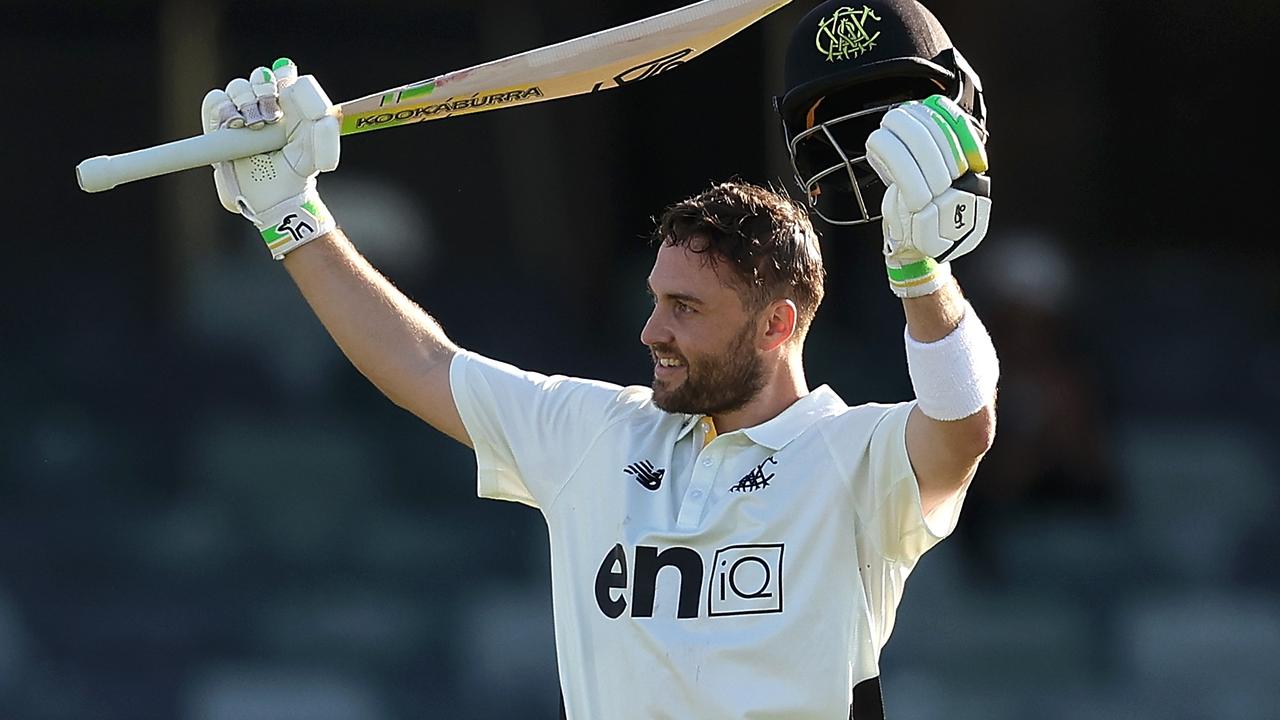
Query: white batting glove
x=277, y=190
x=938, y=203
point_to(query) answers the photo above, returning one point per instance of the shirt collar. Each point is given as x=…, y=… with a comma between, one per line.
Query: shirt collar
x=690, y=422
x=787, y=425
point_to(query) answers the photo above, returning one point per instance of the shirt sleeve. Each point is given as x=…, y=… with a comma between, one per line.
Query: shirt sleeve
x=892, y=531
x=529, y=430
x=897, y=523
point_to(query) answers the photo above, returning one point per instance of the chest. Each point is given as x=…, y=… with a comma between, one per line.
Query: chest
x=683, y=489
x=681, y=529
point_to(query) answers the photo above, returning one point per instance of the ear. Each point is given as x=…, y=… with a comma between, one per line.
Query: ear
x=780, y=324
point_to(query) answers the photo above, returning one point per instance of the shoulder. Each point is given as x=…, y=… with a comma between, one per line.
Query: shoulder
x=852, y=430
x=839, y=413
x=633, y=408
x=835, y=415
x=633, y=402
x=618, y=402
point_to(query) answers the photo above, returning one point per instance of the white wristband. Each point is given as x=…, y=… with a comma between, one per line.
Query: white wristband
x=956, y=376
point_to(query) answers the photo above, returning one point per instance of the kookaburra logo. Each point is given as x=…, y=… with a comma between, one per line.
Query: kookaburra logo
x=744, y=580
x=647, y=69
x=286, y=225
x=845, y=34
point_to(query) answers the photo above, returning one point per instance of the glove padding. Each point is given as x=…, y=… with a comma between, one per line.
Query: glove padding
x=937, y=205
x=277, y=190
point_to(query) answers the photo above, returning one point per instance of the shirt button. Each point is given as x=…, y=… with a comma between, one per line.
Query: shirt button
x=705, y=427
x=706, y=463
x=696, y=493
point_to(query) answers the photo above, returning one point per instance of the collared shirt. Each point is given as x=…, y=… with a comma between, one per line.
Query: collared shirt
x=748, y=574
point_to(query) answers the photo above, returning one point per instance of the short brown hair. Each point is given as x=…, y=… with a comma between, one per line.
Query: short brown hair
x=763, y=235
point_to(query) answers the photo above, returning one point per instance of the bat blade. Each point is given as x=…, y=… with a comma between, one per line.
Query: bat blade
x=590, y=63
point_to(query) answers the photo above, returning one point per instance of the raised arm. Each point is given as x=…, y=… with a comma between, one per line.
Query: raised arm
x=945, y=453
x=932, y=158
x=391, y=340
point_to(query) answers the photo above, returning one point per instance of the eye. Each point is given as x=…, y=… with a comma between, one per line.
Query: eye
x=683, y=307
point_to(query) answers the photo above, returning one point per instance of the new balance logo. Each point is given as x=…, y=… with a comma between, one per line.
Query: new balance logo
x=756, y=479
x=645, y=474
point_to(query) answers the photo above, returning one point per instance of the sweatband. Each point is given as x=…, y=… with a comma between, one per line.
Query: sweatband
x=956, y=376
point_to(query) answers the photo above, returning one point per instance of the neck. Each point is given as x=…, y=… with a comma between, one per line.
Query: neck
x=786, y=385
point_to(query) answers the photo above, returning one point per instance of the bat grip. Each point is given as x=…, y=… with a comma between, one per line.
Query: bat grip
x=107, y=171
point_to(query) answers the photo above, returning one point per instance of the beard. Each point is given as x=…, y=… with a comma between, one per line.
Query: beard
x=714, y=384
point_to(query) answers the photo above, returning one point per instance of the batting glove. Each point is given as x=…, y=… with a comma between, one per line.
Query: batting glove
x=933, y=160
x=277, y=190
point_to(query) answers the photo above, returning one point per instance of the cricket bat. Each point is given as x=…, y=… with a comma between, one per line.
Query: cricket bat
x=599, y=61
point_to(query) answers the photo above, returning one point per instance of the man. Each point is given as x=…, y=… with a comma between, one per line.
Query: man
x=727, y=543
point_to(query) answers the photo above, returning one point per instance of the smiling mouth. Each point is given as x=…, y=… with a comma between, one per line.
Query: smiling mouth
x=667, y=367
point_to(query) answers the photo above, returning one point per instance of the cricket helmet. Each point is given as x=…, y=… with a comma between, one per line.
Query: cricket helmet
x=847, y=64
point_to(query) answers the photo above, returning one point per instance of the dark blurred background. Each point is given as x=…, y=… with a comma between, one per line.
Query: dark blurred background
x=207, y=514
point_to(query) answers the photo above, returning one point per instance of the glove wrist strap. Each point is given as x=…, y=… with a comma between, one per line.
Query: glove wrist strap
x=294, y=223
x=917, y=278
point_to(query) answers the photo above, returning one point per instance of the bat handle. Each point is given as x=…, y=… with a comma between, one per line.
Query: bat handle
x=107, y=171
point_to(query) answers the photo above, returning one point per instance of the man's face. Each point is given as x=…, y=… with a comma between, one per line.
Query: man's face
x=701, y=336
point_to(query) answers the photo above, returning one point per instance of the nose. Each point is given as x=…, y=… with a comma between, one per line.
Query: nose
x=654, y=331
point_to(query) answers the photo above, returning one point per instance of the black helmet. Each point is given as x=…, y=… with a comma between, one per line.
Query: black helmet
x=847, y=64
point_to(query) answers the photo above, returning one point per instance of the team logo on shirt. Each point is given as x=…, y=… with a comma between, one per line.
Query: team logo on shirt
x=646, y=474
x=756, y=479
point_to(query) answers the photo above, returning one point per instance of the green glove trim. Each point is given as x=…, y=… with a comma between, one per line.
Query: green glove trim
x=913, y=271
x=281, y=62
x=959, y=124
x=272, y=236
x=318, y=211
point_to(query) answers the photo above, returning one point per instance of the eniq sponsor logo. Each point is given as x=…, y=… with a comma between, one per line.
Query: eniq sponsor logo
x=741, y=580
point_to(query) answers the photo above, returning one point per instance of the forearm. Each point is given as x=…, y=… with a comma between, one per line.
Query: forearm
x=389, y=338
x=953, y=370
x=930, y=319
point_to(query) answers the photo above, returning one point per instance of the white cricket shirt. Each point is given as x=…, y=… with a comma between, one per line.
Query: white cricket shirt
x=751, y=574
